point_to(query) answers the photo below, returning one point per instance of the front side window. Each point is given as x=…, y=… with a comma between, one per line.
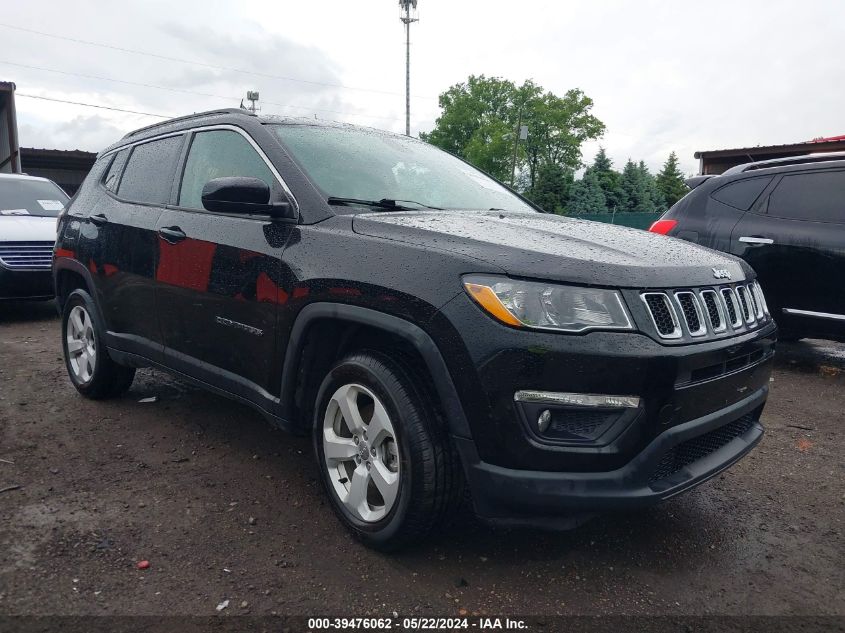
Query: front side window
x=148, y=175
x=218, y=154
x=370, y=165
x=24, y=196
x=818, y=197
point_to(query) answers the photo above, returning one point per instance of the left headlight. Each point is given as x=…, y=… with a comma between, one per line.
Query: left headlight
x=546, y=306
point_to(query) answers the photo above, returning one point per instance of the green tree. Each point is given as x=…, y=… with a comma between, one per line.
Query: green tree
x=587, y=196
x=655, y=197
x=552, y=188
x=479, y=118
x=670, y=181
x=641, y=189
x=610, y=181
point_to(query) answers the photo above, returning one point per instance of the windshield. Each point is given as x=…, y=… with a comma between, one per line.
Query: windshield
x=20, y=196
x=370, y=165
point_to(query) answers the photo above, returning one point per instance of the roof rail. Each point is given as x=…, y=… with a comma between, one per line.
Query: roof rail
x=821, y=157
x=188, y=117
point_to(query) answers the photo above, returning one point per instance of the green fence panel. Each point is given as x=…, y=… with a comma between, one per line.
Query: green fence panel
x=635, y=220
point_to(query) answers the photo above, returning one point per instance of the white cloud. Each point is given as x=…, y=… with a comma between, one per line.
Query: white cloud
x=664, y=76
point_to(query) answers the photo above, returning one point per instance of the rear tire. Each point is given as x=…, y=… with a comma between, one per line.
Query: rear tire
x=89, y=366
x=390, y=471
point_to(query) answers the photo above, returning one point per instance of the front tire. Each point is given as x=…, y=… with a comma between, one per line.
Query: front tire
x=384, y=454
x=89, y=366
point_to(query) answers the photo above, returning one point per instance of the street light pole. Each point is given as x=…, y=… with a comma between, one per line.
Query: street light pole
x=407, y=21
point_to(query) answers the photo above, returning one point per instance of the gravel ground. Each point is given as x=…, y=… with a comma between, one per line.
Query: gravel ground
x=224, y=507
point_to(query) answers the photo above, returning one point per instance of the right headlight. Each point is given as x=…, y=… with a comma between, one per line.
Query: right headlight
x=548, y=306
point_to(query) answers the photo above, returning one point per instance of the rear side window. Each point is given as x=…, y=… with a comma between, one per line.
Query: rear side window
x=148, y=175
x=112, y=176
x=818, y=196
x=217, y=154
x=742, y=193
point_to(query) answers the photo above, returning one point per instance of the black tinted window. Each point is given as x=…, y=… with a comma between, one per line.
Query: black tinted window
x=113, y=174
x=148, y=175
x=819, y=196
x=218, y=154
x=742, y=193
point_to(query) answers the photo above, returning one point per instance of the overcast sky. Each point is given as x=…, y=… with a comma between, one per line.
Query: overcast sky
x=664, y=75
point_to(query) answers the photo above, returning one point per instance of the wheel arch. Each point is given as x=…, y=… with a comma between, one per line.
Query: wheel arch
x=342, y=319
x=70, y=275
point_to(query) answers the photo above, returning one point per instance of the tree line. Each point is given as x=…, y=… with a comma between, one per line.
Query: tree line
x=480, y=121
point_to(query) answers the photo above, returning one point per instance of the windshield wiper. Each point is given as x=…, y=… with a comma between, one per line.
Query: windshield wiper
x=387, y=204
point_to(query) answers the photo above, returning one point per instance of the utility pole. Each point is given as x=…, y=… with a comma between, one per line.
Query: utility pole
x=407, y=20
x=520, y=134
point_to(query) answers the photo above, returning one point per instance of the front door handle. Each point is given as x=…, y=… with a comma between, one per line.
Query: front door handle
x=99, y=219
x=172, y=234
x=756, y=241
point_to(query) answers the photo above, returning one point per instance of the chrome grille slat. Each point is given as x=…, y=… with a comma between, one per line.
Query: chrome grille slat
x=697, y=312
x=26, y=255
x=745, y=304
x=693, y=317
x=715, y=314
x=662, y=314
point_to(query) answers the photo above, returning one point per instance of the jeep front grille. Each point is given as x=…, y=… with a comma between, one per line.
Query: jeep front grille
x=26, y=255
x=697, y=312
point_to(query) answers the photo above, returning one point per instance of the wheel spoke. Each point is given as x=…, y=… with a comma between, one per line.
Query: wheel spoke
x=347, y=400
x=356, y=499
x=76, y=322
x=336, y=448
x=380, y=427
x=74, y=346
x=386, y=482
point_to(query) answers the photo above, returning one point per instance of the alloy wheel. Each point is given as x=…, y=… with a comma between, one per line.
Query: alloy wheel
x=81, y=344
x=361, y=453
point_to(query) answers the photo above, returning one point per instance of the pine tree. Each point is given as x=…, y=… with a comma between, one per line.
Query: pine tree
x=587, y=196
x=552, y=188
x=610, y=181
x=670, y=181
x=655, y=197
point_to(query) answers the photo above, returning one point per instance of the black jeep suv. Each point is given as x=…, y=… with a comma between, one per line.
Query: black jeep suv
x=786, y=218
x=427, y=326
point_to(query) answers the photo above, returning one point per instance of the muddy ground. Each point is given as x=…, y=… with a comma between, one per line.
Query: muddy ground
x=224, y=507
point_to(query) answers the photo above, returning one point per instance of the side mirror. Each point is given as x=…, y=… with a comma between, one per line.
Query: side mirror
x=240, y=194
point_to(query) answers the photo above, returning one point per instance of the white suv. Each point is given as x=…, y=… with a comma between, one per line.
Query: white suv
x=28, y=210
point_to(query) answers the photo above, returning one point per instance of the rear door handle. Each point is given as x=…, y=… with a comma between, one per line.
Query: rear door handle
x=757, y=241
x=99, y=219
x=172, y=234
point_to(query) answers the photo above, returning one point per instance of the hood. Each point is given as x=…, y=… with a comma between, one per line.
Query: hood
x=557, y=248
x=27, y=228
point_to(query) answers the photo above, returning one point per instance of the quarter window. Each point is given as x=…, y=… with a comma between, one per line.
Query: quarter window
x=218, y=154
x=113, y=174
x=148, y=176
x=818, y=197
x=742, y=194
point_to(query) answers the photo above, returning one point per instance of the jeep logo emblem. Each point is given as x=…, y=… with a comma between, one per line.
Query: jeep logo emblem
x=721, y=273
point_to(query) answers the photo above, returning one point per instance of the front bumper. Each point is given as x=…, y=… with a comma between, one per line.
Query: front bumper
x=678, y=459
x=25, y=284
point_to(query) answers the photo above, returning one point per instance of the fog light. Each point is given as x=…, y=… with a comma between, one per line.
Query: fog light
x=544, y=420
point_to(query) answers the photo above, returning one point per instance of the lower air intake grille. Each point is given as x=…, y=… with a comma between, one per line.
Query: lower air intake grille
x=697, y=448
x=26, y=255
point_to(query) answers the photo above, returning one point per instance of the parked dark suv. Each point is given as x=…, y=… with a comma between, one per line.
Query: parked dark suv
x=426, y=325
x=786, y=218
